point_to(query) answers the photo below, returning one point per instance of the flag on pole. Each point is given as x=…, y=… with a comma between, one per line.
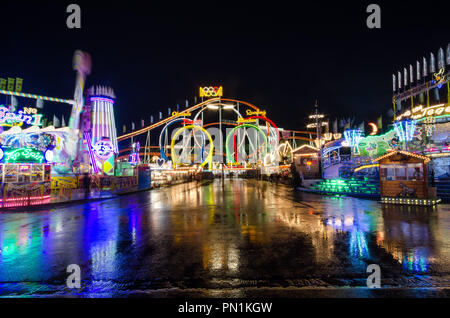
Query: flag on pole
x=432, y=63
x=142, y=123
x=394, y=82
x=169, y=111
x=425, y=68
x=399, y=77
x=39, y=103
x=2, y=83
x=418, y=70
x=380, y=122
x=187, y=102
x=411, y=74
x=124, y=129
x=361, y=126
x=14, y=102
x=151, y=119
x=160, y=115
x=132, y=126
x=178, y=107
x=405, y=77
x=56, y=122
x=448, y=54
x=63, y=122
x=19, y=82
x=440, y=57
x=10, y=84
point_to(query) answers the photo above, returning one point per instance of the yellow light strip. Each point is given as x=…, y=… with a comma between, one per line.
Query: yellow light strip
x=366, y=166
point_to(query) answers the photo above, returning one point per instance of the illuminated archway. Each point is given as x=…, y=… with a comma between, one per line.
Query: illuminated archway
x=211, y=148
x=231, y=133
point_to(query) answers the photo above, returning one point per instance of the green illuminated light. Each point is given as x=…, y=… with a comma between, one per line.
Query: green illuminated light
x=25, y=155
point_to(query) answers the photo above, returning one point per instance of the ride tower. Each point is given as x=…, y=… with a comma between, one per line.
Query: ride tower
x=103, y=134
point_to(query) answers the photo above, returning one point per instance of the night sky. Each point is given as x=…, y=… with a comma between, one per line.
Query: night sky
x=280, y=56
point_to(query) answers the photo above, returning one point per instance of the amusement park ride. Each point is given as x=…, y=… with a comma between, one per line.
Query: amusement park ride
x=220, y=135
x=243, y=137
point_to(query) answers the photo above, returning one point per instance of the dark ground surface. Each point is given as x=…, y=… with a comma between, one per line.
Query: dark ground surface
x=245, y=238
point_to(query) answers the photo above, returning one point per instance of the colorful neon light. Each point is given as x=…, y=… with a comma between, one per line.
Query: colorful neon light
x=267, y=120
x=374, y=129
x=216, y=91
x=27, y=116
x=91, y=152
x=231, y=133
x=23, y=155
x=102, y=99
x=353, y=137
x=46, y=98
x=211, y=143
x=419, y=112
x=103, y=149
x=256, y=112
x=405, y=129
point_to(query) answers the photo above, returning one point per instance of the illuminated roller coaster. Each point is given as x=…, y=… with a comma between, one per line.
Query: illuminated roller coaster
x=202, y=143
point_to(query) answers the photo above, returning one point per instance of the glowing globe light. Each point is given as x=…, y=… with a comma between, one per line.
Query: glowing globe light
x=405, y=129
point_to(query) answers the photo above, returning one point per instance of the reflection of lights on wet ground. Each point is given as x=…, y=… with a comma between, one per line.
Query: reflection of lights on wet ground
x=358, y=244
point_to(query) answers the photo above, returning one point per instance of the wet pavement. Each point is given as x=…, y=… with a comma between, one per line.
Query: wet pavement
x=240, y=238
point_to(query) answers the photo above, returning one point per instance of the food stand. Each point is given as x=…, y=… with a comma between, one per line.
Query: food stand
x=404, y=179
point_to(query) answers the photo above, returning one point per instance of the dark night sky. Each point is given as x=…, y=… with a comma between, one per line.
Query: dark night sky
x=280, y=57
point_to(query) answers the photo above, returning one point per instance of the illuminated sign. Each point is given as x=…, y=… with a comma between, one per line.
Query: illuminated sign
x=256, y=112
x=245, y=120
x=186, y=121
x=103, y=149
x=420, y=111
x=175, y=113
x=23, y=155
x=27, y=116
x=216, y=91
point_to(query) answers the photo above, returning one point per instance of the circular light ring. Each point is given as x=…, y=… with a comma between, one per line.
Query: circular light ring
x=211, y=148
x=242, y=141
x=206, y=107
x=161, y=136
x=103, y=149
x=270, y=122
x=231, y=133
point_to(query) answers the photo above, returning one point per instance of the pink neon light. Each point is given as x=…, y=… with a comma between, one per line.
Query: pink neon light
x=102, y=99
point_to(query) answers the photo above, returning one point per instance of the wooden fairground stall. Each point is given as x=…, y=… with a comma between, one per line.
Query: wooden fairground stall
x=306, y=160
x=404, y=179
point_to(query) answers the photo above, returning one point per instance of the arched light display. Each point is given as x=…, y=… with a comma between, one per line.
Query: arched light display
x=211, y=143
x=231, y=133
x=405, y=129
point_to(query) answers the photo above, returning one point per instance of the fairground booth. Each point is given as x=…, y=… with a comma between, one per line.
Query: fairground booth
x=404, y=179
x=306, y=160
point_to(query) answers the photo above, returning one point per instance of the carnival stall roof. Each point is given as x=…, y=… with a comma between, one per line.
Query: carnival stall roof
x=305, y=150
x=402, y=152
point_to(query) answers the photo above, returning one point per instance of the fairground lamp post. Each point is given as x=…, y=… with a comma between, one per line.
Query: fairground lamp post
x=405, y=131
